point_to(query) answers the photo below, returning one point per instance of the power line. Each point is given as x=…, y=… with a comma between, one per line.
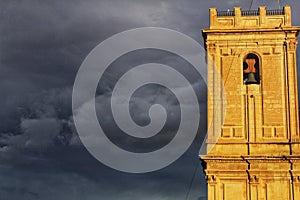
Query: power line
x=252, y=4
x=192, y=181
x=198, y=163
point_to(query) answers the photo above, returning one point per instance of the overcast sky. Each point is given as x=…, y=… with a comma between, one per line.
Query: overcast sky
x=42, y=45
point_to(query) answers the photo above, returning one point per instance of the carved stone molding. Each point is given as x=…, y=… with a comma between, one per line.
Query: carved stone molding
x=296, y=179
x=211, y=46
x=292, y=45
x=253, y=179
x=210, y=178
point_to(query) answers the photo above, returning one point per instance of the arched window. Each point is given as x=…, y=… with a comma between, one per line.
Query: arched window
x=251, y=69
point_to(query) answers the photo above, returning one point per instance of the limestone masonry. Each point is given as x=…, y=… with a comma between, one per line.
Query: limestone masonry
x=253, y=143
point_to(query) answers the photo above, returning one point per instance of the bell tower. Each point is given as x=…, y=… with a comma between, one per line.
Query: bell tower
x=253, y=142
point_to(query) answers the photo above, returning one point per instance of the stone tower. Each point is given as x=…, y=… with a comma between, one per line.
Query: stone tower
x=253, y=143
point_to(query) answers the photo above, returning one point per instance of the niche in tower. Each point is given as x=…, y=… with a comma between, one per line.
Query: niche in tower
x=251, y=69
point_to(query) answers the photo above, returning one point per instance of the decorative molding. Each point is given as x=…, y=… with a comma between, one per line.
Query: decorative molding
x=210, y=178
x=253, y=179
x=211, y=46
x=296, y=179
x=292, y=45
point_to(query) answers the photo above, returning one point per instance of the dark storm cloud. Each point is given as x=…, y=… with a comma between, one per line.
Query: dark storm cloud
x=42, y=46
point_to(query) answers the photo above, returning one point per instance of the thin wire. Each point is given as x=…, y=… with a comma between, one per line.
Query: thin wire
x=192, y=181
x=197, y=166
x=252, y=4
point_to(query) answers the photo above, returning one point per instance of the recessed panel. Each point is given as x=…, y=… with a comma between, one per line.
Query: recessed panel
x=235, y=190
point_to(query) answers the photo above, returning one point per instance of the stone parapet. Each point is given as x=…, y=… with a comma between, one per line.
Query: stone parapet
x=250, y=18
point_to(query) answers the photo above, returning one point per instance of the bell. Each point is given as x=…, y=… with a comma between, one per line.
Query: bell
x=251, y=78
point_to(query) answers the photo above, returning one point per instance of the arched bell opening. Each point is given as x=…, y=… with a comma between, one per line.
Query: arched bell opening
x=251, y=74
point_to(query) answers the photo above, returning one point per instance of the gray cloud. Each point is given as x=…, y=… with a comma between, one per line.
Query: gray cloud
x=42, y=46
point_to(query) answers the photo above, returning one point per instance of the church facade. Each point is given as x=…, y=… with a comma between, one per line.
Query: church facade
x=253, y=142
